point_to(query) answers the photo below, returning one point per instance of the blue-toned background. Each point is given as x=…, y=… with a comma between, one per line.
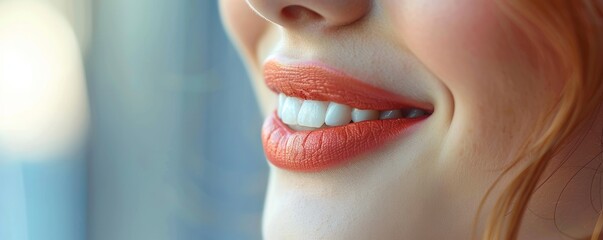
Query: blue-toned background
x=175, y=142
x=172, y=149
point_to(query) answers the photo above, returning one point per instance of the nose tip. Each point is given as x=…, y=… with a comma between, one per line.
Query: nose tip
x=327, y=13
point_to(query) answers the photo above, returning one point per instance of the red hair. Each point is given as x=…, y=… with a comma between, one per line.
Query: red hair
x=572, y=30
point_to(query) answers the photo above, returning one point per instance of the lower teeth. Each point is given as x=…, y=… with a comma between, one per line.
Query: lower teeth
x=384, y=115
x=414, y=113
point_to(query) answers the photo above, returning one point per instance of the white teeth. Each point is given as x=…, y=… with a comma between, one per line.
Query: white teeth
x=290, y=111
x=281, y=102
x=312, y=113
x=338, y=114
x=414, y=113
x=391, y=114
x=359, y=115
x=303, y=115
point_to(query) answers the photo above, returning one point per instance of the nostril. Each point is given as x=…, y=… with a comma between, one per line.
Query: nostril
x=299, y=13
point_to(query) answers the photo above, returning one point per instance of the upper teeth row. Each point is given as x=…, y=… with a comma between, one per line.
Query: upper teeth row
x=312, y=113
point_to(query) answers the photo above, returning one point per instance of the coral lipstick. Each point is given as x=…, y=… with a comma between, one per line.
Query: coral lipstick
x=328, y=147
x=321, y=83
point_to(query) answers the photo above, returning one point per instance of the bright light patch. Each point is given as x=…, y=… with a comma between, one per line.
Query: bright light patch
x=43, y=108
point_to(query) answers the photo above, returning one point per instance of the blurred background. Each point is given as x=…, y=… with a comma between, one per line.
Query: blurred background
x=125, y=120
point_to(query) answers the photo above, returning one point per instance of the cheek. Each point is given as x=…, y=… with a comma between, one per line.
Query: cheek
x=486, y=66
x=468, y=43
x=251, y=34
x=460, y=41
x=243, y=25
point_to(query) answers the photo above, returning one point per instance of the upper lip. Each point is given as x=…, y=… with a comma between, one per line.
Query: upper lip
x=317, y=82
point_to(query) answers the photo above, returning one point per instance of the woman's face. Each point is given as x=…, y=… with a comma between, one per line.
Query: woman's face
x=459, y=61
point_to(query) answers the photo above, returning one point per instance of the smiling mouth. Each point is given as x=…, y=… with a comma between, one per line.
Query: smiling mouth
x=326, y=118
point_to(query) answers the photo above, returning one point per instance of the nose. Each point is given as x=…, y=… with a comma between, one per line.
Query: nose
x=325, y=13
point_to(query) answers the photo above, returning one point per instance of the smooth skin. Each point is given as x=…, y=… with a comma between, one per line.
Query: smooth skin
x=463, y=57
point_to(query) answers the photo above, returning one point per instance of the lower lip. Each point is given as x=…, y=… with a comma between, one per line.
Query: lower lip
x=325, y=148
